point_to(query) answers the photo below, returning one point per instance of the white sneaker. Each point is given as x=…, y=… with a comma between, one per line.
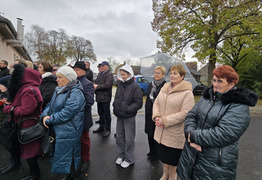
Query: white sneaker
x=125, y=164
x=119, y=160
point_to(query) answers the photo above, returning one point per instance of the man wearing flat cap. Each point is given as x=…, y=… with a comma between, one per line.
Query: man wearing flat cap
x=103, y=90
x=80, y=69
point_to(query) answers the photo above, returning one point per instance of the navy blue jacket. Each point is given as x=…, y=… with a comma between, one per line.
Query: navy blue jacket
x=89, y=92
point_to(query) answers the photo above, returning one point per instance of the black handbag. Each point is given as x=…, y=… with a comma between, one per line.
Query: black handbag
x=48, y=141
x=8, y=133
x=32, y=133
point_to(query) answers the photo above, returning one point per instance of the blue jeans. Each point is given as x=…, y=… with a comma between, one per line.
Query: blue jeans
x=104, y=115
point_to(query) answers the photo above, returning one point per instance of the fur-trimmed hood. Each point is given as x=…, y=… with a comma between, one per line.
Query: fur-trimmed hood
x=22, y=76
x=234, y=95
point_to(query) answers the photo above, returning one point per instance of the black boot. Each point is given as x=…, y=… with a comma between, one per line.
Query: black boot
x=9, y=168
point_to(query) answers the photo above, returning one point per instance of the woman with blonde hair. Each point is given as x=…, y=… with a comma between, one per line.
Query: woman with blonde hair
x=170, y=108
x=153, y=90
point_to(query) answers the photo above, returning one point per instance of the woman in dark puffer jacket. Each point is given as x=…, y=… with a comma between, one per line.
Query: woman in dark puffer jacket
x=213, y=128
x=48, y=85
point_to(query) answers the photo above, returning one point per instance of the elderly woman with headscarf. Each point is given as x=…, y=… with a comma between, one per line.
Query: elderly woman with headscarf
x=128, y=100
x=65, y=114
x=213, y=128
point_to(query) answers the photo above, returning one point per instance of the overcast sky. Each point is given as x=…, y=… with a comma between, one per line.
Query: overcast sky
x=117, y=28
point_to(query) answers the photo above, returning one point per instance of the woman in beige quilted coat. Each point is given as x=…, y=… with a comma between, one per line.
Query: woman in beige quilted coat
x=169, y=111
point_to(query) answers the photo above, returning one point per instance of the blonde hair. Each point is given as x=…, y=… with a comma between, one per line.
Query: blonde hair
x=163, y=69
x=29, y=64
x=179, y=68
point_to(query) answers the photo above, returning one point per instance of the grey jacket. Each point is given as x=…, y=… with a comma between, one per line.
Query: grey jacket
x=215, y=123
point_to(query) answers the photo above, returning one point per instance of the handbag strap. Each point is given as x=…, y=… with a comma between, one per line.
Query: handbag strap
x=36, y=99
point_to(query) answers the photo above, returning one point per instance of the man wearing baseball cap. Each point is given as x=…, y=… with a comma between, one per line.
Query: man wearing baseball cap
x=103, y=90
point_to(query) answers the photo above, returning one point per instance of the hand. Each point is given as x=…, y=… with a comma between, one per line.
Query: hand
x=196, y=146
x=159, y=122
x=95, y=86
x=44, y=120
x=3, y=88
x=4, y=100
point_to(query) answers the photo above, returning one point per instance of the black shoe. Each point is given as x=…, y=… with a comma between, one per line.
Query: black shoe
x=4, y=167
x=66, y=177
x=97, y=122
x=31, y=177
x=84, y=166
x=106, y=133
x=98, y=130
x=9, y=168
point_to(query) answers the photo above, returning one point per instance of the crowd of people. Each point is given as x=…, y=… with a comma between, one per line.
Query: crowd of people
x=193, y=141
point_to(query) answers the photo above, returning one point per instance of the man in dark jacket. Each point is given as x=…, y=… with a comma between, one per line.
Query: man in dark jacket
x=89, y=72
x=4, y=71
x=89, y=91
x=103, y=89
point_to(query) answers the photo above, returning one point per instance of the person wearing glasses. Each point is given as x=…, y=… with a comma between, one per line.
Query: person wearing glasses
x=55, y=68
x=170, y=108
x=213, y=128
x=153, y=90
x=48, y=85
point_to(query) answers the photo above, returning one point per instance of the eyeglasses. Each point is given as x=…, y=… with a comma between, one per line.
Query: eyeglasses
x=218, y=81
x=54, y=69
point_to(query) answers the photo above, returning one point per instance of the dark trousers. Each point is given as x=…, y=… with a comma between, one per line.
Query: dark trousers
x=85, y=146
x=104, y=115
x=152, y=145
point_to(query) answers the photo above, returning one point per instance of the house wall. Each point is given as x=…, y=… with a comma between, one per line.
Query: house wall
x=8, y=53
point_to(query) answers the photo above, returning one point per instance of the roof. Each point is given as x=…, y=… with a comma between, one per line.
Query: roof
x=194, y=72
x=10, y=34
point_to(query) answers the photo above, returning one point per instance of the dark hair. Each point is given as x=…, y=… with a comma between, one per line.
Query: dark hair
x=226, y=72
x=5, y=62
x=47, y=66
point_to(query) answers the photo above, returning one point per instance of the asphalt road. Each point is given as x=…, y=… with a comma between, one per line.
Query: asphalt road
x=103, y=156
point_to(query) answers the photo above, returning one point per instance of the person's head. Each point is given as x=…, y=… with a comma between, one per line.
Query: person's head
x=55, y=68
x=99, y=67
x=177, y=74
x=65, y=75
x=87, y=63
x=44, y=67
x=104, y=66
x=125, y=73
x=29, y=64
x=3, y=63
x=21, y=61
x=159, y=73
x=80, y=68
x=224, y=78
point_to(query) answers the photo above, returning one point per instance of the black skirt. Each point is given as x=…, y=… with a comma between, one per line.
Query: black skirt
x=168, y=155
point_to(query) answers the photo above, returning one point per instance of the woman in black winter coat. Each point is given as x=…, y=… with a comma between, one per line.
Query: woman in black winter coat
x=48, y=85
x=153, y=90
x=213, y=128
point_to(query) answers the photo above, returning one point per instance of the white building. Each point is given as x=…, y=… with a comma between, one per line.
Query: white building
x=11, y=41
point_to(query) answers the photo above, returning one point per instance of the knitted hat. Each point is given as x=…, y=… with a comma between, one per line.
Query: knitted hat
x=68, y=72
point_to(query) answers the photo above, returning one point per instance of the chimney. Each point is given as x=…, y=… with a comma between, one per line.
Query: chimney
x=19, y=30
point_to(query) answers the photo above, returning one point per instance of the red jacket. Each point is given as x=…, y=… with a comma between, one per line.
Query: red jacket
x=26, y=105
